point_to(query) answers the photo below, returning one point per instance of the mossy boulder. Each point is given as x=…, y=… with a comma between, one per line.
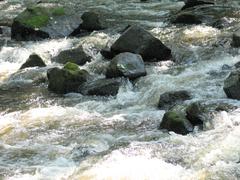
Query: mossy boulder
x=38, y=22
x=232, y=85
x=76, y=55
x=176, y=122
x=126, y=65
x=33, y=61
x=67, y=79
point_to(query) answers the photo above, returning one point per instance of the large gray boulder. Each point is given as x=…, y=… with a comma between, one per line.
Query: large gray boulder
x=76, y=55
x=232, y=85
x=127, y=65
x=169, y=99
x=41, y=22
x=33, y=61
x=101, y=87
x=176, y=122
x=139, y=41
x=67, y=79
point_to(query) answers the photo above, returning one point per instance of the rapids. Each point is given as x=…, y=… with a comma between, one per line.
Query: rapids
x=48, y=136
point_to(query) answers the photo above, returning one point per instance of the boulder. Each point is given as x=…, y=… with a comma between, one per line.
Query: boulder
x=193, y=3
x=176, y=122
x=195, y=113
x=101, y=87
x=38, y=22
x=91, y=21
x=169, y=99
x=236, y=39
x=33, y=61
x=187, y=18
x=232, y=85
x=1, y=31
x=139, y=41
x=67, y=79
x=107, y=53
x=126, y=65
x=76, y=55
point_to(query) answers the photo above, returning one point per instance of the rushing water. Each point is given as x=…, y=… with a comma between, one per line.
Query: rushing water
x=47, y=136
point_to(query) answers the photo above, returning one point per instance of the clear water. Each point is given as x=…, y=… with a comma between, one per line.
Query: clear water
x=47, y=136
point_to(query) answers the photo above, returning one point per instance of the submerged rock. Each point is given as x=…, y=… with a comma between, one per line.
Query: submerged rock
x=33, y=61
x=193, y=3
x=139, y=41
x=236, y=39
x=77, y=56
x=169, y=99
x=67, y=79
x=101, y=87
x=232, y=85
x=176, y=122
x=187, y=18
x=127, y=65
x=37, y=23
x=195, y=113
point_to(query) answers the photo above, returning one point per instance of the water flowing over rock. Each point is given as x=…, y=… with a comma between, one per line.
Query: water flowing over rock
x=101, y=87
x=232, y=85
x=127, y=65
x=76, y=55
x=176, y=122
x=139, y=41
x=37, y=23
x=169, y=99
x=33, y=61
x=67, y=79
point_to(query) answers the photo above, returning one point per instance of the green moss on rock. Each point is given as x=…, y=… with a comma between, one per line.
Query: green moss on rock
x=71, y=67
x=59, y=11
x=37, y=17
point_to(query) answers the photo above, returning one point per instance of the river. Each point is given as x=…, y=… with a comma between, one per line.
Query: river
x=47, y=136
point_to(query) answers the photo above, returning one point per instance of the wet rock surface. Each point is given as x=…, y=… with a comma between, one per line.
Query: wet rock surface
x=139, y=41
x=176, y=122
x=232, y=85
x=127, y=65
x=169, y=99
x=101, y=87
x=67, y=79
x=37, y=23
x=75, y=55
x=33, y=61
